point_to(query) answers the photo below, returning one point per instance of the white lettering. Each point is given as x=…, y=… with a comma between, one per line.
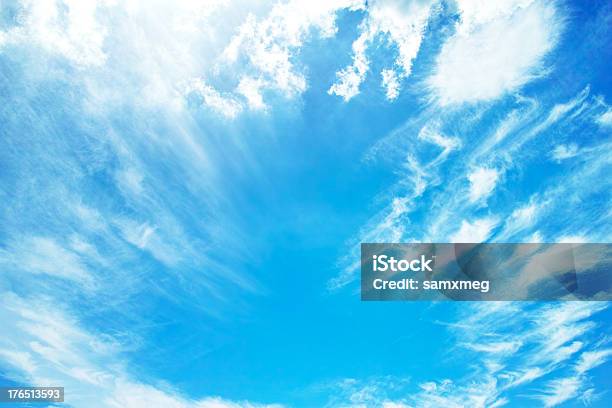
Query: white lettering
x=383, y=263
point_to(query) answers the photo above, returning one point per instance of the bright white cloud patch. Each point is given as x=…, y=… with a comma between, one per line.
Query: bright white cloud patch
x=477, y=231
x=497, y=48
x=250, y=89
x=572, y=239
x=67, y=28
x=482, y=182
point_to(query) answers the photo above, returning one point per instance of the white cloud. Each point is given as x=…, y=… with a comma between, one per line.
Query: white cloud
x=369, y=392
x=561, y=390
x=185, y=43
x=562, y=353
x=429, y=386
x=482, y=182
x=563, y=324
x=497, y=48
x=524, y=376
x=592, y=359
x=521, y=219
x=562, y=152
x=387, y=226
x=535, y=238
x=390, y=83
x=391, y=223
x=129, y=394
x=250, y=89
x=526, y=344
x=226, y=105
x=44, y=255
x=572, y=239
x=524, y=216
x=131, y=179
x=265, y=47
x=402, y=23
x=21, y=360
x=350, y=78
x=474, y=232
x=138, y=51
x=393, y=404
x=503, y=347
x=65, y=27
x=44, y=344
x=146, y=237
x=431, y=134
x=605, y=119
x=561, y=110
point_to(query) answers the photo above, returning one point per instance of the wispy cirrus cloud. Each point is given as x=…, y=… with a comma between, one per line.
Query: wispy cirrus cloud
x=515, y=351
x=47, y=345
x=508, y=355
x=563, y=152
x=560, y=390
x=118, y=192
x=454, y=211
x=45, y=256
x=605, y=119
x=113, y=206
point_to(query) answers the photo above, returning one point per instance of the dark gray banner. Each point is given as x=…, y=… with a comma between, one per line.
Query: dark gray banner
x=486, y=271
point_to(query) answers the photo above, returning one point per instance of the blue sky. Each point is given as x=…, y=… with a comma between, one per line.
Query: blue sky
x=185, y=185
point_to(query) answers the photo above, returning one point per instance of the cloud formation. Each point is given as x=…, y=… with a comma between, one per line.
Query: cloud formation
x=45, y=345
x=497, y=48
x=482, y=182
x=400, y=22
